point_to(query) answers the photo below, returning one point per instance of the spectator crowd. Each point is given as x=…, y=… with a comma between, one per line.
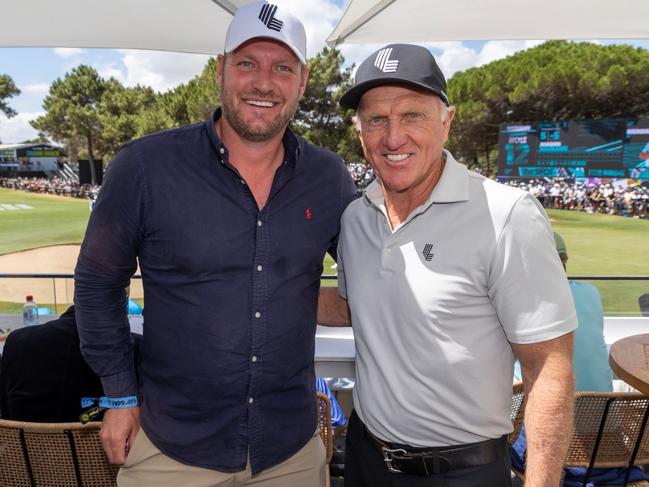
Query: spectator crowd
x=58, y=186
x=363, y=174
x=632, y=201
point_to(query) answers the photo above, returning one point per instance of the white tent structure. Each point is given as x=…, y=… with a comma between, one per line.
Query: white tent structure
x=383, y=21
x=193, y=26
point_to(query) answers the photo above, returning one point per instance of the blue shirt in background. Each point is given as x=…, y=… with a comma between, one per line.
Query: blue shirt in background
x=590, y=356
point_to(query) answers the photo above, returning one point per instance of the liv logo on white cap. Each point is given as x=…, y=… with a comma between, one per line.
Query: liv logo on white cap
x=267, y=16
x=384, y=63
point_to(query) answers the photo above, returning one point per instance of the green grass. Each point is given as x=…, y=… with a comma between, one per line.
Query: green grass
x=55, y=220
x=597, y=244
x=7, y=307
x=327, y=270
x=600, y=245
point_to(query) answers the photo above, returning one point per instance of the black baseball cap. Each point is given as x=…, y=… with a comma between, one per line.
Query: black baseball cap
x=401, y=64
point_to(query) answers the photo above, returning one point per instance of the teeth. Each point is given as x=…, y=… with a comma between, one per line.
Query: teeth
x=396, y=157
x=260, y=103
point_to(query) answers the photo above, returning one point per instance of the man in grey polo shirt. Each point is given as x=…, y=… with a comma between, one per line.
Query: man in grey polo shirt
x=448, y=276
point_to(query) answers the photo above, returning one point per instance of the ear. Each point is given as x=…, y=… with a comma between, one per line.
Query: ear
x=447, y=122
x=220, y=64
x=305, y=79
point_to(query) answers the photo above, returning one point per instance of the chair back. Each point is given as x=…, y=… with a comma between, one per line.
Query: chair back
x=34, y=454
x=517, y=410
x=324, y=423
x=609, y=430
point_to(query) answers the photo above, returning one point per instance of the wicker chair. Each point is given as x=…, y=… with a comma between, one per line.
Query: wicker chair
x=518, y=410
x=326, y=433
x=53, y=455
x=609, y=431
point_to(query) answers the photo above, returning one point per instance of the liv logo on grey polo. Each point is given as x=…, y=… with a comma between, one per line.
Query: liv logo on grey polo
x=428, y=252
x=384, y=63
x=267, y=16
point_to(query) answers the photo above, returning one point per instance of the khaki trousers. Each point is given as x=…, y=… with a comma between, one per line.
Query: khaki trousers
x=147, y=466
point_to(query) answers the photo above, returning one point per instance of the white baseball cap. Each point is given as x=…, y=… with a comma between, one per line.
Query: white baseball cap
x=262, y=19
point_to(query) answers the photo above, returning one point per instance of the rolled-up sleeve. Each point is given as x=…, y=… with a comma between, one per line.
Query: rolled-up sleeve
x=107, y=260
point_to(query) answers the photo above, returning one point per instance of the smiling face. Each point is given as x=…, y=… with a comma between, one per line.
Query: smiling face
x=261, y=84
x=402, y=132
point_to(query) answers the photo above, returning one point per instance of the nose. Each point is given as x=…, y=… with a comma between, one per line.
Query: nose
x=263, y=81
x=394, y=136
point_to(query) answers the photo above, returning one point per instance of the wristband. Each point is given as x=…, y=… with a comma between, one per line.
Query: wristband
x=110, y=402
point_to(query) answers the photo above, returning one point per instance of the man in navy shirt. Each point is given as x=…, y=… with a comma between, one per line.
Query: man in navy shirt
x=229, y=221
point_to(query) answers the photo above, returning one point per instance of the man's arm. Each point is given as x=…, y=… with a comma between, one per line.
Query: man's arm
x=549, y=387
x=107, y=260
x=332, y=308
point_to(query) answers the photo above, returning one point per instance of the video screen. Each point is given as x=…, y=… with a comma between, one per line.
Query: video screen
x=615, y=148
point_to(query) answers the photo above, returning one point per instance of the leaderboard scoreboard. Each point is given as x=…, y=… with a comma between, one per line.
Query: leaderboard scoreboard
x=616, y=148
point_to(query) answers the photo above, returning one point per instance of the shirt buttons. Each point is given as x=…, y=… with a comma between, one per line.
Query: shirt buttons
x=253, y=358
x=243, y=182
x=250, y=400
x=259, y=223
x=222, y=150
x=259, y=268
x=257, y=314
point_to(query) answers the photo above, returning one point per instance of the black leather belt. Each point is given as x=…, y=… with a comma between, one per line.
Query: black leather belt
x=437, y=460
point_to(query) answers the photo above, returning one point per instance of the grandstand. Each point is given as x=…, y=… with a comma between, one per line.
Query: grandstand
x=34, y=160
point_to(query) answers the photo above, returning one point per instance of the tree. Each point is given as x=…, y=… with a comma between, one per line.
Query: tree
x=40, y=139
x=558, y=80
x=319, y=118
x=118, y=111
x=203, y=94
x=7, y=90
x=72, y=109
x=168, y=110
x=187, y=103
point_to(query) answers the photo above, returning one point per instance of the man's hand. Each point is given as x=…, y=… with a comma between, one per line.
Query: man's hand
x=118, y=431
x=549, y=387
x=332, y=309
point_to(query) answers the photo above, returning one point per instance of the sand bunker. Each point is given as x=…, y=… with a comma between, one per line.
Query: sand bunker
x=58, y=259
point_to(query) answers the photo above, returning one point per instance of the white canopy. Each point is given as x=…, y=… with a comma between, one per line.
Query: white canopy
x=386, y=21
x=196, y=26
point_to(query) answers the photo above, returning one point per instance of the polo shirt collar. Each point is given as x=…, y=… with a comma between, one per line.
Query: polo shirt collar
x=452, y=187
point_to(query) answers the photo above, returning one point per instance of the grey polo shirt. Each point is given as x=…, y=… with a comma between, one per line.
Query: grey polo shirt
x=436, y=302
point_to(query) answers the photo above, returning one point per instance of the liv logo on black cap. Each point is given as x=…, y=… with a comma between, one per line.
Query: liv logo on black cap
x=267, y=16
x=384, y=63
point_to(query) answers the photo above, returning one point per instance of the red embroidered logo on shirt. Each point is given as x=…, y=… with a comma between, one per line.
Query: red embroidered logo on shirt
x=308, y=213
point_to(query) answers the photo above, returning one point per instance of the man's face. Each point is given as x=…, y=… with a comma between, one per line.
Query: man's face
x=402, y=134
x=261, y=84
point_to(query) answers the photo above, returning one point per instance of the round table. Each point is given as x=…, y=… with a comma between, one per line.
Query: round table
x=629, y=359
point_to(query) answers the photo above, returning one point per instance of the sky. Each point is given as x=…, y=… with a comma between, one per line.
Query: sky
x=34, y=69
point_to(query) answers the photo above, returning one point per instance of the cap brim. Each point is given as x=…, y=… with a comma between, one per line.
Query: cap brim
x=233, y=46
x=352, y=97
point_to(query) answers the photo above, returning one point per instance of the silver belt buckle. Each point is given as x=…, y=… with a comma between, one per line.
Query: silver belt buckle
x=388, y=456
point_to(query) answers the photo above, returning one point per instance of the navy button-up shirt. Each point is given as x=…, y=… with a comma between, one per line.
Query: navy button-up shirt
x=230, y=293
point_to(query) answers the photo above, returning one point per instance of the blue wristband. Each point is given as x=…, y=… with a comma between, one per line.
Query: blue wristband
x=110, y=402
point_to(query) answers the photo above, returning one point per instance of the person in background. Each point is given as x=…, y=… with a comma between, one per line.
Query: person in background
x=43, y=376
x=592, y=373
x=229, y=221
x=448, y=276
x=590, y=355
